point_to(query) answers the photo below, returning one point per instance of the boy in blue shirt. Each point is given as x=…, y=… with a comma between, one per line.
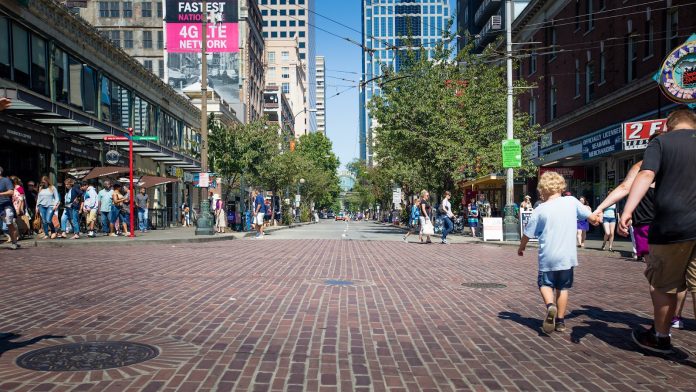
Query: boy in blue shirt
x=554, y=224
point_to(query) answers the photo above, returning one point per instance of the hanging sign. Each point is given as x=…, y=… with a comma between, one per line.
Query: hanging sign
x=637, y=134
x=677, y=76
x=512, y=153
x=112, y=157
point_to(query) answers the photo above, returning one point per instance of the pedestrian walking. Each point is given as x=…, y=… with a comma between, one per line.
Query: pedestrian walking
x=413, y=220
x=105, y=197
x=426, y=226
x=609, y=225
x=90, y=203
x=259, y=212
x=185, y=214
x=671, y=264
x=22, y=222
x=552, y=223
x=71, y=213
x=447, y=215
x=30, y=195
x=7, y=210
x=117, y=210
x=142, y=201
x=47, y=202
x=583, y=224
x=472, y=217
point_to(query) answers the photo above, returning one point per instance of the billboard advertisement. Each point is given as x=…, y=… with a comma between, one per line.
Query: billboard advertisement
x=637, y=134
x=183, y=47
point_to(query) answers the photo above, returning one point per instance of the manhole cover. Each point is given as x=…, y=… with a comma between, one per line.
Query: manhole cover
x=484, y=285
x=338, y=282
x=87, y=356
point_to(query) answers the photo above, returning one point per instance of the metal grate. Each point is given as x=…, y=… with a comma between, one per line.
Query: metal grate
x=87, y=356
x=483, y=285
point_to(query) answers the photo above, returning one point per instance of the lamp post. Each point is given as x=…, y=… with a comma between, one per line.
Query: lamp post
x=204, y=225
x=294, y=117
x=511, y=224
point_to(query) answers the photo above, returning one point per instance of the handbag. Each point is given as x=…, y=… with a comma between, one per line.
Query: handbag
x=37, y=222
x=428, y=228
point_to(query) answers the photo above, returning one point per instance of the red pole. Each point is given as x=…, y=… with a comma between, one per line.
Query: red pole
x=130, y=151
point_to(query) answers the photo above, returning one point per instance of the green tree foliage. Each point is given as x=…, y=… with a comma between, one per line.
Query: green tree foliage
x=318, y=165
x=442, y=120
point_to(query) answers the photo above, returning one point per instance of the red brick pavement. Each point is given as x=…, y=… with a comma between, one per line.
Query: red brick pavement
x=255, y=315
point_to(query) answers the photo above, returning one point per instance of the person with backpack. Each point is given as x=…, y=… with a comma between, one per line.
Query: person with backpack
x=413, y=221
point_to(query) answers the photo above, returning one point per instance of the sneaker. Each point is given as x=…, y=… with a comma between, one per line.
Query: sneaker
x=258, y=235
x=560, y=327
x=14, y=246
x=404, y=239
x=549, y=324
x=113, y=235
x=647, y=340
x=677, y=323
x=444, y=242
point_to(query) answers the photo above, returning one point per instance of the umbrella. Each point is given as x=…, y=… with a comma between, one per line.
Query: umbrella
x=150, y=181
x=106, y=171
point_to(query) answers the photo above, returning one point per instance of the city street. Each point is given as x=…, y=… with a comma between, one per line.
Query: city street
x=318, y=308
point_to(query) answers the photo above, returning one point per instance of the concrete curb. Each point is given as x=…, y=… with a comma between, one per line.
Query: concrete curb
x=158, y=241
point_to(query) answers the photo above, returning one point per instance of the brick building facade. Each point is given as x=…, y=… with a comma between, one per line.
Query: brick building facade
x=592, y=62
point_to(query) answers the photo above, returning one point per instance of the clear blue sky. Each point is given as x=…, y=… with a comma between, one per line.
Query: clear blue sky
x=343, y=60
x=342, y=117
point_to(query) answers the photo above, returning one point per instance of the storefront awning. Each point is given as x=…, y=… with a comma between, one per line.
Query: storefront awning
x=491, y=179
x=151, y=181
x=98, y=172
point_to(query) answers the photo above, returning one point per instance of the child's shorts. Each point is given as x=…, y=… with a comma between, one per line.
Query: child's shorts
x=559, y=280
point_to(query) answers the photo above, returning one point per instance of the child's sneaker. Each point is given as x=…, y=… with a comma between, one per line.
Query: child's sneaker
x=677, y=322
x=560, y=326
x=648, y=340
x=549, y=324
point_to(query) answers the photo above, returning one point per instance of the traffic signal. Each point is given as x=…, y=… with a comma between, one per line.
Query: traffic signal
x=130, y=130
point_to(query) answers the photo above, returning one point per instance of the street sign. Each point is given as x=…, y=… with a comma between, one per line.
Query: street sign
x=145, y=138
x=512, y=153
x=396, y=196
x=116, y=138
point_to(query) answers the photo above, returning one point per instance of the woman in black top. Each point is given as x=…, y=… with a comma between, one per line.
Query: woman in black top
x=425, y=214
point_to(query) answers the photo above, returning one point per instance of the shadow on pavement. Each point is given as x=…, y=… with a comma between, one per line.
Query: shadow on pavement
x=7, y=344
x=531, y=323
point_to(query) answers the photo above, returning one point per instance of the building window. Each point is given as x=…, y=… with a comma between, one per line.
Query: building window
x=127, y=9
x=589, y=14
x=649, y=47
x=631, y=58
x=602, y=5
x=553, y=101
x=271, y=72
x=672, y=29
x=20, y=55
x=271, y=58
x=160, y=39
x=532, y=111
x=89, y=89
x=159, y=9
x=60, y=73
x=577, y=15
x=39, y=65
x=115, y=37
x=147, y=9
x=128, y=39
x=148, y=65
x=147, y=39
x=114, y=9
x=74, y=83
x=533, y=63
x=286, y=88
x=577, y=78
x=285, y=56
x=285, y=72
x=589, y=82
x=602, y=64
x=554, y=42
x=160, y=69
x=103, y=9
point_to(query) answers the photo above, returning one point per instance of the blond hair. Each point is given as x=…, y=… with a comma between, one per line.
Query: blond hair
x=551, y=183
x=423, y=193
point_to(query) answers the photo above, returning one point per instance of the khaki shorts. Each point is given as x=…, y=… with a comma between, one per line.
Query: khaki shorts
x=91, y=216
x=672, y=267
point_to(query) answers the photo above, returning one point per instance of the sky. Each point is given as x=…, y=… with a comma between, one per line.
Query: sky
x=342, y=61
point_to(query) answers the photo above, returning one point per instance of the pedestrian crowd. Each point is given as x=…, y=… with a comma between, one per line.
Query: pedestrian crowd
x=81, y=209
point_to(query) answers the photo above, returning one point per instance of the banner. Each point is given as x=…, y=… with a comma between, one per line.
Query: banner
x=602, y=143
x=636, y=134
x=184, y=26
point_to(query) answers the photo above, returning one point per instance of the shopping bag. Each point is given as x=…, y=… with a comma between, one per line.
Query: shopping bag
x=428, y=228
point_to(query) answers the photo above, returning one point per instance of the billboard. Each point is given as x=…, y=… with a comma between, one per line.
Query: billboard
x=183, y=47
x=637, y=134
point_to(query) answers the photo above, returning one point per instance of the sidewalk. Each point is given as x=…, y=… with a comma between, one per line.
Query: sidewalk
x=176, y=235
x=622, y=246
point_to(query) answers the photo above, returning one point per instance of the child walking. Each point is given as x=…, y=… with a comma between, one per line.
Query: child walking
x=554, y=224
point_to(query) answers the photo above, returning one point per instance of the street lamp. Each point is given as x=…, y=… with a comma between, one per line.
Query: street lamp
x=310, y=110
x=511, y=224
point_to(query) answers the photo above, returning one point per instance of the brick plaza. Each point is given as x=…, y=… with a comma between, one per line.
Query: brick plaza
x=259, y=316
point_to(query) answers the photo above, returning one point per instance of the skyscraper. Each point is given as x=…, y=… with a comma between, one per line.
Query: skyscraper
x=482, y=21
x=385, y=28
x=321, y=94
x=286, y=19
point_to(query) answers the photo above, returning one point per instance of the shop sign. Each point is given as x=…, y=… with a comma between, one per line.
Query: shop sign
x=677, y=76
x=636, y=134
x=531, y=150
x=492, y=229
x=184, y=26
x=569, y=173
x=524, y=221
x=546, y=140
x=602, y=143
x=188, y=177
x=25, y=136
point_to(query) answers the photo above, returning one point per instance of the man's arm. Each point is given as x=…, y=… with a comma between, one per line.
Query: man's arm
x=523, y=245
x=622, y=190
x=8, y=193
x=638, y=190
x=5, y=103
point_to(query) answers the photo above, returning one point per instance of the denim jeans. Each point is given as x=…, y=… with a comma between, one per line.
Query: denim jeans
x=46, y=219
x=142, y=219
x=72, y=215
x=447, y=227
x=105, y=221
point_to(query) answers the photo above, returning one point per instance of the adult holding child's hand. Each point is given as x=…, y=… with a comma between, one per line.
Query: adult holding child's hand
x=624, y=224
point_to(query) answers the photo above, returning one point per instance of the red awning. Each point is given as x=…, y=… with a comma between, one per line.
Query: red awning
x=105, y=171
